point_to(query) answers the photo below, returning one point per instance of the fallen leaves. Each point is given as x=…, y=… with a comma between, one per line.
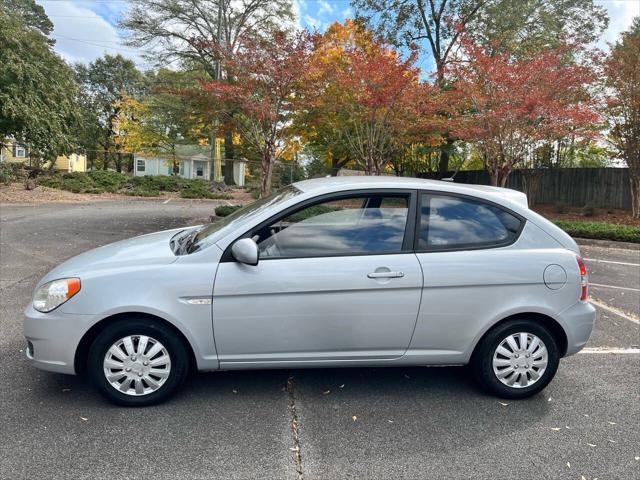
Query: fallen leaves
x=568, y=465
x=354, y=418
x=84, y=419
x=556, y=429
x=503, y=404
x=326, y=392
x=590, y=444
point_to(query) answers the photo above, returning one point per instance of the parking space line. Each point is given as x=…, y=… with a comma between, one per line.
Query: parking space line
x=591, y=284
x=611, y=261
x=618, y=351
x=620, y=313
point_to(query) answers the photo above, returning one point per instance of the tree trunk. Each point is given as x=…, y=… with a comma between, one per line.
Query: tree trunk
x=228, y=156
x=267, y=172
x=443, y=164
x=531, y=184
x=634, y=182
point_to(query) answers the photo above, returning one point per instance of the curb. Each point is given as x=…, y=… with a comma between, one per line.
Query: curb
x=590, y=242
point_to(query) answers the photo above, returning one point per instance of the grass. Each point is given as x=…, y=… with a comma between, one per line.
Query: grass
x=101, y=181
x=600, y=230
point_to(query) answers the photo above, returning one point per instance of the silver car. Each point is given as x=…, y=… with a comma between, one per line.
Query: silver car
x=332, y=272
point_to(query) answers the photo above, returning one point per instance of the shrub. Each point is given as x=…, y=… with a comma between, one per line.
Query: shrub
x=600, y=230
x=224, y=210
x=141, y=192
x=107, y=180
x=159, y=182
x=9, y=172
x=199, y=189
x=76, y=182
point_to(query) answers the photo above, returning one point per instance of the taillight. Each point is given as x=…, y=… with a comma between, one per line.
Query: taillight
x=584, y=279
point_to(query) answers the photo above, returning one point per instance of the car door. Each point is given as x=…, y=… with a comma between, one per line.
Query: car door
x=471, y=273
x=337, y=281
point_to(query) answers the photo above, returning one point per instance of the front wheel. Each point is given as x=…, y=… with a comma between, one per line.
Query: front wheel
x=137, y=363
x=516, y=359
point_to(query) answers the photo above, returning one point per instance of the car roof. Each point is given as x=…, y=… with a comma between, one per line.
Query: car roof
x=336, y=184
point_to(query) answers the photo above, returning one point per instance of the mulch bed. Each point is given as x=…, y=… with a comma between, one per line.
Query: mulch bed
x=608, y=215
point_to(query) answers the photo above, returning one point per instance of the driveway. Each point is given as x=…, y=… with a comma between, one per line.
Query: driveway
x=351, y=423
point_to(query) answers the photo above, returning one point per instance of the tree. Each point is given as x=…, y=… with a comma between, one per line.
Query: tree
x=434, y=25
x=438, y=25
x=32, y=14
x=513, y=104
x=155, y=123
x=523, y=27
x=194, y=32
x=37, y=90
x=622, y=71
x=266, y=84
x=105, y=82
x=365, y=98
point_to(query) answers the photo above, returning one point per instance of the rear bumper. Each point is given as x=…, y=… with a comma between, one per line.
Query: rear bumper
x=578, y=321
x=53, y=338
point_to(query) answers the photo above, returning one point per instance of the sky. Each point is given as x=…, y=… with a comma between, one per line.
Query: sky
x=86, y=29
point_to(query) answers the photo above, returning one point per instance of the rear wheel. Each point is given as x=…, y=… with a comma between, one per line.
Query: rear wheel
x=137, y=363
x=516, y=359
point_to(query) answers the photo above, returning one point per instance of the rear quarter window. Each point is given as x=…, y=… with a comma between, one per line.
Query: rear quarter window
x=454, y=222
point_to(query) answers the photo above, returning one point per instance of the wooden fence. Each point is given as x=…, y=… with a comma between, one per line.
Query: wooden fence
x=598, y=187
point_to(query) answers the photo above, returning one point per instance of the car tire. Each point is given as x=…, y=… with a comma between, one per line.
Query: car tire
x=158, y=375
x=500, y=359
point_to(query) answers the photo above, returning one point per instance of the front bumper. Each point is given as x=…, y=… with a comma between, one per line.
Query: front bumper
x=53, y=338
x=578, y=321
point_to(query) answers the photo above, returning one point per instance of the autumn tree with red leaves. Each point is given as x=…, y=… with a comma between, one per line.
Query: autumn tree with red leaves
x=263, y=90
x=622, y=70
x=366, y=93
x=510, y=103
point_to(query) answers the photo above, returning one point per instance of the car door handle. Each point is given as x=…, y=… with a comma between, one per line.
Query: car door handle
x=385, y=275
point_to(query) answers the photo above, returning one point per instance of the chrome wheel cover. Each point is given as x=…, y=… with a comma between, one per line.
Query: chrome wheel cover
x=137, y=365
x=520, y=360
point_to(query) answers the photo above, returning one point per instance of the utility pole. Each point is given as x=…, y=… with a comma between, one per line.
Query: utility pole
x=215, y=151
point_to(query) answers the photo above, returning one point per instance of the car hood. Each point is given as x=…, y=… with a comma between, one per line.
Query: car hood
x=145, y=250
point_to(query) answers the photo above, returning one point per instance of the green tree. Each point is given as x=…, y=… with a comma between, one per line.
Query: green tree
x=37, y=90
x=524, y=26
x=32, y=14
x=105, y=82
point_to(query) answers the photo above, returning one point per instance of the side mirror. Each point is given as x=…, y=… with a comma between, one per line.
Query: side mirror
x=245, y=251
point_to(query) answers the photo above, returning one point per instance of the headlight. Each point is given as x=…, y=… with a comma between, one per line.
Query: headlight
x=53, y=294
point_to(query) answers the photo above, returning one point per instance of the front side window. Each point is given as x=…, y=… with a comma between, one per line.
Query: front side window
x=140, y=165
x=199, y=170
x=366, y=224
x=459, y=222
x=19, y=151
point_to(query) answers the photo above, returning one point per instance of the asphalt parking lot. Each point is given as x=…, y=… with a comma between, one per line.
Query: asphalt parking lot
x=352, y=423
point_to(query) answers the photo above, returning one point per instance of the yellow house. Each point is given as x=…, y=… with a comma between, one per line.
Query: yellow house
x=71, y=163
x=14, y=152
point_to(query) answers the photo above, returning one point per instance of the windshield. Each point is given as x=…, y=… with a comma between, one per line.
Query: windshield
x=206, y=235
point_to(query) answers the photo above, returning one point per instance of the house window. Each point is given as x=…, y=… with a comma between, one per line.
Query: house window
x=181, y=169
x=140, y=165
x=19, y=151
x=199, y=170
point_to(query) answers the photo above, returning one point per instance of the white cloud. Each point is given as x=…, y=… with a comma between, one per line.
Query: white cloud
x=313, y=22
x=324, y=7
x=621, y=14
x=82, y=35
